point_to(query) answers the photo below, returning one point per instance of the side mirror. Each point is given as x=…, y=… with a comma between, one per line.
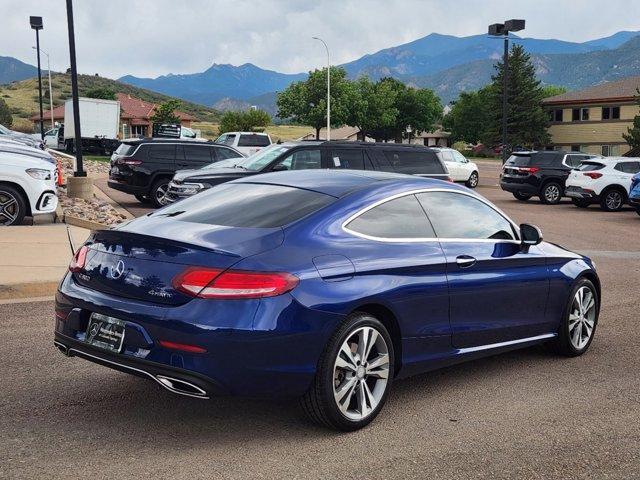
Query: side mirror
x=530, y=235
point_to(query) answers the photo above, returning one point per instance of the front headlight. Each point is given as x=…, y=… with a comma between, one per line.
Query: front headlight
x=39, y=173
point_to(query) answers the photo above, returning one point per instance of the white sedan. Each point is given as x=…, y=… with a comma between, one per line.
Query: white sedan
x=27, y=187
x=460, y=169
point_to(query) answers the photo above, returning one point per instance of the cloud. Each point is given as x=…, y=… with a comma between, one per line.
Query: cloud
x=156, y=37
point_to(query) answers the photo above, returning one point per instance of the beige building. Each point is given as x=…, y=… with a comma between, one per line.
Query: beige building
x=593, y=120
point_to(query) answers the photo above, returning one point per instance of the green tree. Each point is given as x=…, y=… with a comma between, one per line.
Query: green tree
x=248, y=121
x=166, y=112
x=103, y=93
x=6, y=118
x=632, y=137
x=527, y=120
x=371, y=108
x=418, y=108
x=469, y=116
x=305, y=102
x=553, y=90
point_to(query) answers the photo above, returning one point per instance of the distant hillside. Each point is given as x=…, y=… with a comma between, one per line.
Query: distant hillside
x=218, y=82
x=12, y=69
x=22, y=97
x=573, y=71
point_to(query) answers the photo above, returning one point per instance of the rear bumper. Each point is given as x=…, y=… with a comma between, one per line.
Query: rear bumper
x=518, y=187
x=126, y=188
x=259, y=348
x=580, y=193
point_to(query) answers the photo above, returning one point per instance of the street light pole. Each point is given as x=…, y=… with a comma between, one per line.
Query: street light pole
x=77, y=141
x=503, y=29
x=36, y=24
x=328, y=88
x=50, y=88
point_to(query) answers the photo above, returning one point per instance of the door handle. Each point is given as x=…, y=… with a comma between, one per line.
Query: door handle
x=465, y=261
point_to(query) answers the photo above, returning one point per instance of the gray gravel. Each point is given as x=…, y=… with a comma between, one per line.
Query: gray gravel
x=525, y=414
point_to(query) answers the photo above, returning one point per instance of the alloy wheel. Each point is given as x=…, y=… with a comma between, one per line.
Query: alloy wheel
x=613, y=200
x=9, y=208
x=161, y=193
x=361, y=373
x=582, y=317
x=552, y=193
x=473, y=180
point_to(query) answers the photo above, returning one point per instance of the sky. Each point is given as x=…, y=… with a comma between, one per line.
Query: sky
x=148, y=38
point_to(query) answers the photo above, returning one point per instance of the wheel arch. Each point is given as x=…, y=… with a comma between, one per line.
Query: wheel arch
x=390, y=321
x=593, y=278
x=22, y=192
x=616, y=186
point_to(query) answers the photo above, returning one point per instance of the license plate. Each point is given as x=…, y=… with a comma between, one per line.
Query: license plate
x=105, y=332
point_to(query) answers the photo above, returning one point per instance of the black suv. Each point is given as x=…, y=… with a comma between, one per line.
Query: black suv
x=144, y=167
x=542, y=174
x=385, y=157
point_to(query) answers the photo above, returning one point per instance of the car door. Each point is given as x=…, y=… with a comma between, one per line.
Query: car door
x=624, y=172
x=349, y=158
x=400, y=263
x=498, y=290
x=462, y=164
x=452, y=165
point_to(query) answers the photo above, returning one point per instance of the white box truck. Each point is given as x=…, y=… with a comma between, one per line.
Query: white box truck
x=99, y=125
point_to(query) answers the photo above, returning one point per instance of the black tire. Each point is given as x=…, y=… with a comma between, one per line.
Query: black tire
x=157, y=192
x=13, y=206
x=523, y=197
x=319, y=403
x=612, y=200
x=580, y=202
x=563, y=343
x=638, y=210
x=473, y=180
x=551, y=193
x=142, y=198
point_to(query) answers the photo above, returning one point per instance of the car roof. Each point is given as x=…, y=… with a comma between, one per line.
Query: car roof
x=353, y=144
x=152, y=140
x=336, y=183
x=245, y=133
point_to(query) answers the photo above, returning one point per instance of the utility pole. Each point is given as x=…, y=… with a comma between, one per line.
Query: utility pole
x=328, y=88
x=36, y=24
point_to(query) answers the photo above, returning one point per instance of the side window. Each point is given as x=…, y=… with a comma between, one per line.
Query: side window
x=447, y=156
x=574, y=160
x=222, y=153
x=628, y=167
x=459, y=157
x=301, y=160
x=347, y=158
x=414, y=162
x=197, y=154
x=229, y=140
x=454, y=215
x=222, y=139
x=399, y=218
x=165, y=153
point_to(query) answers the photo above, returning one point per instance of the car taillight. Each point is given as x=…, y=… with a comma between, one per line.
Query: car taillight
x=77, y=262
x=130, y=161
x=182, y=346
x=593, y=175
x=229, y=284
x=529, y=169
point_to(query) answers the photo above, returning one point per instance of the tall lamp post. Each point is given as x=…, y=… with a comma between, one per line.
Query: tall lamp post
x=36, y=24
x=50, y=89
x=502, y=30
x=328, y=88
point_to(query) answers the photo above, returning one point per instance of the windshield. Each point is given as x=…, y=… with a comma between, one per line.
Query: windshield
x=229, y=162
x=264, y=157
x=4, y=130
x=590, y=166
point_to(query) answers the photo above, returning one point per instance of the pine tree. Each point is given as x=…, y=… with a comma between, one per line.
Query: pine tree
x=527, y=120
x=632, y=137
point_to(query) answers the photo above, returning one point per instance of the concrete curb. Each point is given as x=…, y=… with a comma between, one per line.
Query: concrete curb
x=104, y=197
x=88, y=224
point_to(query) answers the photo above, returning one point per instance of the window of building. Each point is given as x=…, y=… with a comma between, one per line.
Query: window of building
x=575, y=148
x=610, y=113
x=556, y=115
x=610, y=150
x=580, y=114
x=575, y=115
x=584, y=114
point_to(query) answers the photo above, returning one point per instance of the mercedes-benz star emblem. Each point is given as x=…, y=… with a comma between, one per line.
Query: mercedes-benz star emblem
x=95, y=328
x=117, y=270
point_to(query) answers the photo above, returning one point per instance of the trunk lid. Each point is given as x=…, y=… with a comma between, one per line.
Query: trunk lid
x=140, y=260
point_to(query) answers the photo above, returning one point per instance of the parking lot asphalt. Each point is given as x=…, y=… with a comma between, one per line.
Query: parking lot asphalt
x=525, y=414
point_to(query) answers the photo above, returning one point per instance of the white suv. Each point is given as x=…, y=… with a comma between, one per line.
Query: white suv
x=604, y=180
x=27, y=187
x=460, y=169
x=246, y=142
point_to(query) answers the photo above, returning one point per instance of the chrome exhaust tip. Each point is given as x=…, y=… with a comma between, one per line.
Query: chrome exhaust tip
x=62, y=348
x=181, y=387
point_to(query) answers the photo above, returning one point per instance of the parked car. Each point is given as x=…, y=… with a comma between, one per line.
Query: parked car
x=634, y=193
x=386, y=157
x=54, y=138
x=539, y=173
x=144, y=167
x=29, y=140
x=23, y=149
x=27, y=187
x=245, y=142
x=605, y=180
x=325, y=285
x=460, y=169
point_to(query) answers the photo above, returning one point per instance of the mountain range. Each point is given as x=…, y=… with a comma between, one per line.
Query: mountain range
x=12, y=69
x=445, y=63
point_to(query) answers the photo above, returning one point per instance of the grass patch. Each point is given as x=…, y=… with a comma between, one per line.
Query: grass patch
x=97, y=158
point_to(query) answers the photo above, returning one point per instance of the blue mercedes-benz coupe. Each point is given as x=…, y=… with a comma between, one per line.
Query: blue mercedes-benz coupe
x=326, y=285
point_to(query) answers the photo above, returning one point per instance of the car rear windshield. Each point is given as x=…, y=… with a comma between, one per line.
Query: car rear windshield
x=414, y=162
x=125, y=149
x=590, y=166
x=248, y=205
x=536, y=158
x=253, y=141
